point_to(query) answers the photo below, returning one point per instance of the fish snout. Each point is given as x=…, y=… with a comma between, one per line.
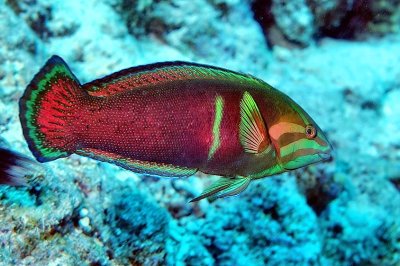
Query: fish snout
x=326, y=156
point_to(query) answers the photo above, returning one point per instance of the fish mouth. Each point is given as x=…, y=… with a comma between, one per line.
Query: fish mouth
x=312, y=159
x=325, y=156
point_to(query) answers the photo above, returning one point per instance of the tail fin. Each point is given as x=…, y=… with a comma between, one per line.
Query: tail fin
x=16, y=169
x=47, y=109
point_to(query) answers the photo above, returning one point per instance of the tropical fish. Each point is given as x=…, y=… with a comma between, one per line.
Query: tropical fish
x=17, y=169
x=171, y=119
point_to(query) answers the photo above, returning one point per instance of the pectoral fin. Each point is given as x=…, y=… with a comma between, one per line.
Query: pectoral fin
x=224, y=187
x=253, y=134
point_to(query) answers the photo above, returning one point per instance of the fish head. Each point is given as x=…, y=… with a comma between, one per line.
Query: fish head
x=297, y=139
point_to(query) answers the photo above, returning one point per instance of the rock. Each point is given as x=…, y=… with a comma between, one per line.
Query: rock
x=197, y=23
x=295, y=20
x=291, y=23
x=132, y=226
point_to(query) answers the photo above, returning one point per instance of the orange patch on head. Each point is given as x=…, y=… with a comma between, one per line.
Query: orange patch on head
x=277, y=130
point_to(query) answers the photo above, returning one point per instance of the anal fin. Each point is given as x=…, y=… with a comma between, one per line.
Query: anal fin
x=150, y=168
x=224, y=187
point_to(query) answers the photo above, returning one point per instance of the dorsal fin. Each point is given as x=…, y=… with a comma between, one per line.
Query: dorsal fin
x=159, y=73
x=253, y=134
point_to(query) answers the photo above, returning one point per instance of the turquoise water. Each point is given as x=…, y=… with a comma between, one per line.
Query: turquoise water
x=338, y=59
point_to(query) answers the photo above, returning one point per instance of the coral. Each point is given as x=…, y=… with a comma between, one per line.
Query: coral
x=351, y=220
x=185, y=248
x=343, y=212
x=81, y=223
x=135, y=228
x=270, y=224
x=31, y=217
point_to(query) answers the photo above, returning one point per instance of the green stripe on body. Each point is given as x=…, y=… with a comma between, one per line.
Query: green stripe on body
x=216, y=130
x=273, y=170
x=302, y=144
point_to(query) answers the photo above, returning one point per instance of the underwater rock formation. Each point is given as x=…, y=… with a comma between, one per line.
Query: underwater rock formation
x=133, y=227
x=292, y=21
x=288, y=23
x=344, y=212
x=195, y=26
x=386, y=17
x=263, y=230
x=346, y=19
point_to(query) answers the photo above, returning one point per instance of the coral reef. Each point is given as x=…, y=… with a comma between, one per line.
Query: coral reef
x=360, y=215
x=265, y=225
x=133, y=226
x=344, y=212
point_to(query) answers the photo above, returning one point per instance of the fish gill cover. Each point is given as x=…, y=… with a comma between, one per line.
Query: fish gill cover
x=338, y=59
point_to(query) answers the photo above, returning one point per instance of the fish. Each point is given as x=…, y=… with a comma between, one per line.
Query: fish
x=171, y=119
x=16, y=169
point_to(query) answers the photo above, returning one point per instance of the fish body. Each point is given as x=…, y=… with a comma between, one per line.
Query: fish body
x=171, y=119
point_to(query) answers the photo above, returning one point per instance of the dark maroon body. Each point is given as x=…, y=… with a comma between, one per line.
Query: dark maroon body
x=171, y=124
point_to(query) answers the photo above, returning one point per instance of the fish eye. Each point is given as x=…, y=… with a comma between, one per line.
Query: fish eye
x=311, y=132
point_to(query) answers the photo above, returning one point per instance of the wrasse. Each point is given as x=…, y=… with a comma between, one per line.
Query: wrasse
x=171, y=119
